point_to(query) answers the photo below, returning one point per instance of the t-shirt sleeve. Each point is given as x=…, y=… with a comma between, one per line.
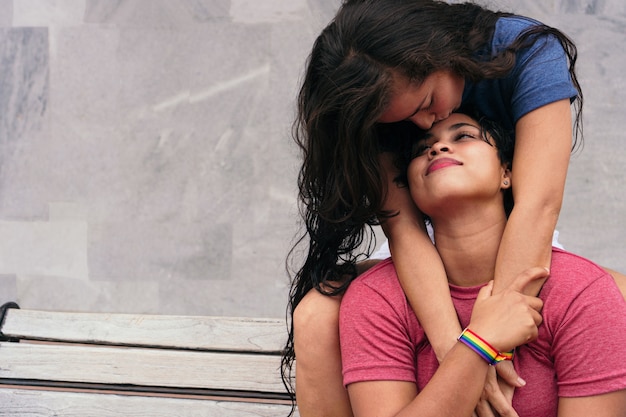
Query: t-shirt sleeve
x=589, y=345
x=375, y=344
x=540, y=77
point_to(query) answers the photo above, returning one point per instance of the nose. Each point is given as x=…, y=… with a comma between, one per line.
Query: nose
x=423, y=120
x=437, y=148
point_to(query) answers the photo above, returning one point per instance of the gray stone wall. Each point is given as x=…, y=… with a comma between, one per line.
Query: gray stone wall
x=146, y=163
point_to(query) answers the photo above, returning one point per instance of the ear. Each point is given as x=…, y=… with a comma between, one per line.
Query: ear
x=505, y=181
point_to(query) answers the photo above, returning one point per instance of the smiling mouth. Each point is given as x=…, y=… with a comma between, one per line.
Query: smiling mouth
x=438, y=164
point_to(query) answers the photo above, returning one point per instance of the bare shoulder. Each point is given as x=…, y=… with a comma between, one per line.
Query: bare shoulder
x=620, y=280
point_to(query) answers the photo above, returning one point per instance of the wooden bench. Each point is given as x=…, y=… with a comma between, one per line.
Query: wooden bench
x=97, y=364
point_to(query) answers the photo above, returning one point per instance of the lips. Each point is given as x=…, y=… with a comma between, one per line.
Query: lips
x=441, y=163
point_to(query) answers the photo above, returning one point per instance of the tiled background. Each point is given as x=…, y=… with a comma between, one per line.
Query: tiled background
x=146, y=163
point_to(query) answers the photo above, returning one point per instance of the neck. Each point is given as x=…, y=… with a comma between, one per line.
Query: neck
x=468, y=243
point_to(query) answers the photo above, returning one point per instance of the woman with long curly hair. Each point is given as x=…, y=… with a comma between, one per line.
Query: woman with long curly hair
x=381, y=61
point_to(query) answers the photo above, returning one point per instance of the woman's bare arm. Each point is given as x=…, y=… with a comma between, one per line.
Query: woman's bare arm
x=542, y=151
x=612, y=404
x=453, y=390
x=419, y=266
x=620, y=280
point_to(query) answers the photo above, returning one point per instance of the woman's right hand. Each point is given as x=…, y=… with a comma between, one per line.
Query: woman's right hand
x=509, y=318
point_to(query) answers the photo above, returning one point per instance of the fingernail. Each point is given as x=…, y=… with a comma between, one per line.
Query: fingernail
x=521, y=382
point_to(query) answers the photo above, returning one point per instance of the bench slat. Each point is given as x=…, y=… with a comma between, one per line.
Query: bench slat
x=35, y=403
x=189, y=332
x=148, y=367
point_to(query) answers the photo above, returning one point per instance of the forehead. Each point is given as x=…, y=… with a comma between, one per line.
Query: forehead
x=450, y=123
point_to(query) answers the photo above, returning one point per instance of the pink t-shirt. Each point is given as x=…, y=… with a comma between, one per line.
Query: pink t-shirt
x=579, y=351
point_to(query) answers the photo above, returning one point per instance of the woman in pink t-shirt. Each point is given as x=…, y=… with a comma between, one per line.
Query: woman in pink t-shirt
x=459, y=175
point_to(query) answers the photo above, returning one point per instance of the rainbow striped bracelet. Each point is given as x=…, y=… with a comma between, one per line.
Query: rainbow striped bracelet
x=483, y=348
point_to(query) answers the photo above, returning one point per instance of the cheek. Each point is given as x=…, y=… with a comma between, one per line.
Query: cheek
x=452, y=96
x=489, y=171
x=414, y=176
x=413, y=170
x=445, y=104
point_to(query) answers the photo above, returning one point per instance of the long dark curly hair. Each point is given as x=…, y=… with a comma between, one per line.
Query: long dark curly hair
x=344, y=92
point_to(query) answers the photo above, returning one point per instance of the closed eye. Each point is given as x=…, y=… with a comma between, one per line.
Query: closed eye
x=466, y=135
x=478, y=135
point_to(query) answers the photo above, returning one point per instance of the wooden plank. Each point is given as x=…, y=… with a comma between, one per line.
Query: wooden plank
x=195, y=332
x=137, y=366
x=35, y=403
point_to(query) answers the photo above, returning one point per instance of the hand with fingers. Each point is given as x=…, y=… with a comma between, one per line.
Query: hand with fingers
x=497, y=397
x=509, y=318
x=505, y=320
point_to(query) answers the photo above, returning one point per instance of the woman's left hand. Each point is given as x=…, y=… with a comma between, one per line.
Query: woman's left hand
x=497, y=397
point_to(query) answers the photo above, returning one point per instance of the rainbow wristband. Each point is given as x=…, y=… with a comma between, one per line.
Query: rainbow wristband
x=483, y=348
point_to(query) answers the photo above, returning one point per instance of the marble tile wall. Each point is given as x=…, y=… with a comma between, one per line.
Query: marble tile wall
x=146, y=163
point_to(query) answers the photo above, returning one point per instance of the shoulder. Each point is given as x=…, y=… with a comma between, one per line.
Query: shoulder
x=380, y=280
x=578, y=286
x=573, y=270
x=376, y=293
x=516, y=23
x=546, y=46
x=583, y=309
x=510, y=27
x=570, y=273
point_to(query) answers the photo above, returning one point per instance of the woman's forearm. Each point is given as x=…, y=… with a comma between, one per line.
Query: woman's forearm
x=454, y=389
x=423, y=279
x=542, y=150
x=419, y=266
x=523, y=247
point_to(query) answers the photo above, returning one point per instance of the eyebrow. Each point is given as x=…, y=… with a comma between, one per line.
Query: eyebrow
x=460, y=125
x=456, y=126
